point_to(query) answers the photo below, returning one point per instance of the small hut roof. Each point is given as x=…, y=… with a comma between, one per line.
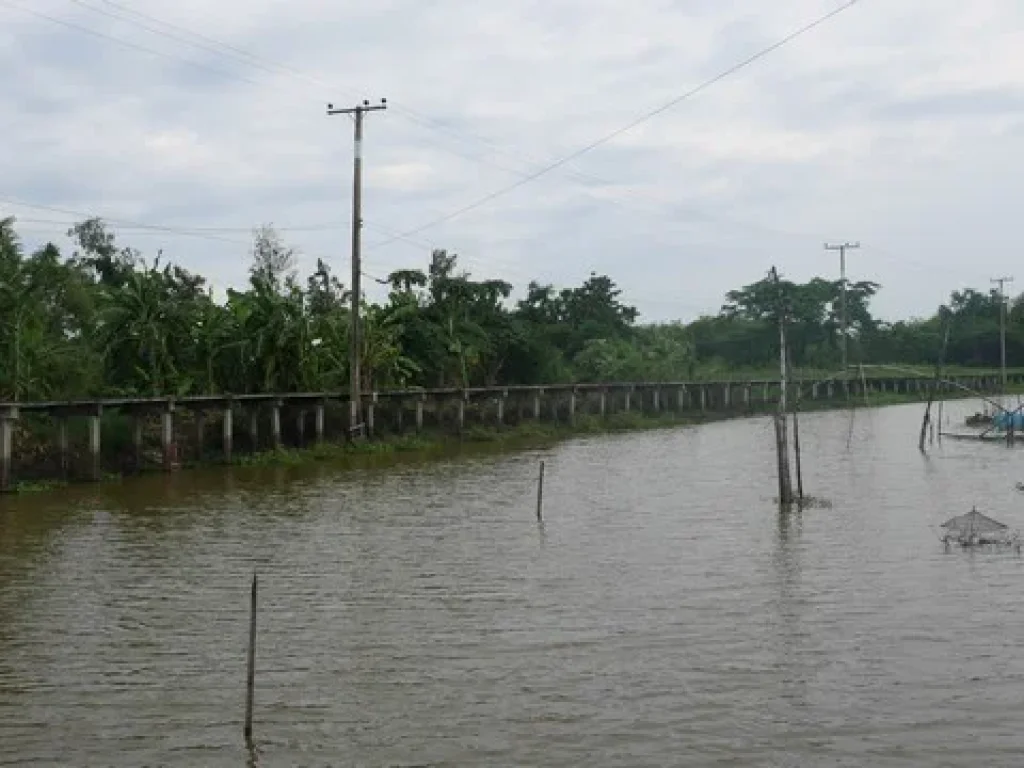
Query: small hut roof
x=974, y=521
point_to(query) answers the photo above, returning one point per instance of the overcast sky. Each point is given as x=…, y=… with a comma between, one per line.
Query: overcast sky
x=897, y=123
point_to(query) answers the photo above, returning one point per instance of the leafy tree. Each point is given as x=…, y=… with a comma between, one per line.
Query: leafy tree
x=105, y=320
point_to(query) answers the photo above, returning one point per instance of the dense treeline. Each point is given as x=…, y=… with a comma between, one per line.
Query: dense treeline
x=105, y=321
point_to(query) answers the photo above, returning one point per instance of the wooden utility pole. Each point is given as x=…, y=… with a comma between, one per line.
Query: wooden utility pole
x=842, y=248
x=1001, y=282
x=358, y=112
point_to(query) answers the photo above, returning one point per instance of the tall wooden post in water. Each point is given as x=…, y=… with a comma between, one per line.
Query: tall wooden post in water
x=781, y=431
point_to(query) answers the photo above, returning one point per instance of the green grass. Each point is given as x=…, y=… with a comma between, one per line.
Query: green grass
x=527, y=434
x=38, y=486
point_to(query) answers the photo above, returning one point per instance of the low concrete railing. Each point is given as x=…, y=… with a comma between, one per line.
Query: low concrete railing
x=563, y=401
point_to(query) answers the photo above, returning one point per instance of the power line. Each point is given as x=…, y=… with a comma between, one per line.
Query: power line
x=640, y=120
x=213, y=45
x=126, y=43
x=408, y=112
x=526, y=178
x=83, y=215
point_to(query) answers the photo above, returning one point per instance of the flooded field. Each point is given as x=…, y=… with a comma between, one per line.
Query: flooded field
x=664, y=614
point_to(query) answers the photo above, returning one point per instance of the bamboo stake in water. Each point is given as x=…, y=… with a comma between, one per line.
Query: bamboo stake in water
x=796, y=432
x=251, y=673
x=796, y=450
x=540, y=494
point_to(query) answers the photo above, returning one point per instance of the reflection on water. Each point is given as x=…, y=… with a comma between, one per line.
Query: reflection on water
x=664, y=613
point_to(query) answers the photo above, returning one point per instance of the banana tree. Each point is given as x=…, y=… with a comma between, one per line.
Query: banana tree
x=382, y=360
x=136, y=325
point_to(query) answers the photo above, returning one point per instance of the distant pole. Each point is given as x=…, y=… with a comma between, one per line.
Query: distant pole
x=842, y=248
x=251, y=672
x=358, y=112
x=540, y=494
x=1001, y=282
x=935, y=386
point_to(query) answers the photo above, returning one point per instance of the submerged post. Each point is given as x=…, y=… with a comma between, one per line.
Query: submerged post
x=254, y=428
x=167, y=436
x=137, y=439
x=275, y=424
x=95, y=447
x=250, y=679
x=7, y=419
x=63, y=445
x=371, y=416
x=319, y=423
x=200, y=433
x=228, y=433
x=540, y=494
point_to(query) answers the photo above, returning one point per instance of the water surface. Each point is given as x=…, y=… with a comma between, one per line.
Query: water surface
x=664, y=614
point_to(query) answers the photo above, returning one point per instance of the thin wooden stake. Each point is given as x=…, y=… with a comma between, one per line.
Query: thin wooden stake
x=796, y=445
x=781, y=446
x=797, y=397
x=540, y=494
x=251, y=672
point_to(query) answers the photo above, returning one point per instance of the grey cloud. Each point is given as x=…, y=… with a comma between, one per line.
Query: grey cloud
x=835, y=135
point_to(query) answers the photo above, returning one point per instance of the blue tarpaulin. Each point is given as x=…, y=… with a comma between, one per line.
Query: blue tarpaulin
x=1002, y=420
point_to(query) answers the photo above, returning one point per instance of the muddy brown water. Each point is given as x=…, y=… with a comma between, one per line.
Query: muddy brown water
x=416, y=614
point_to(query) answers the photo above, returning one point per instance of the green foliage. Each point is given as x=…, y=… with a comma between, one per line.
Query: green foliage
x=106, y=321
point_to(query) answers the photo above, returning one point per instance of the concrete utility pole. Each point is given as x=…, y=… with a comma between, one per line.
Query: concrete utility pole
x=357, y=112
x=843, y=248
x=1001, y=282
